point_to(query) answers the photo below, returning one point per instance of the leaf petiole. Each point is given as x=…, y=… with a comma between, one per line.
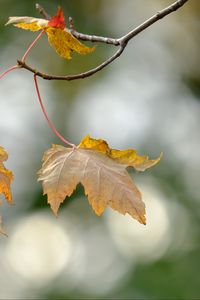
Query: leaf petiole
x=9, y=70
x=24, y=57
x=47, y=117
x=31, y=45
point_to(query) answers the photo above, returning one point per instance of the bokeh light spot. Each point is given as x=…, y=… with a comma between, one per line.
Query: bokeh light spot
x=38, y=249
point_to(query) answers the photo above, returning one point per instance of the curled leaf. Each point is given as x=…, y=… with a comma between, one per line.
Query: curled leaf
x=28, y=23
x=129, y=157
x=65, y=43
x=58, y=35
x=102, y=173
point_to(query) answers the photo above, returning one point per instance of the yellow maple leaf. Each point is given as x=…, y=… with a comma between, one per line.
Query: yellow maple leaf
x=65, y=43
x=127, y=157
x=59, y=36
x=102, y=172
x=6, y=177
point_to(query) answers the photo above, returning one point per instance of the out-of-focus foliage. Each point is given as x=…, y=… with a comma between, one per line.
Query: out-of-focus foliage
x=148, y=98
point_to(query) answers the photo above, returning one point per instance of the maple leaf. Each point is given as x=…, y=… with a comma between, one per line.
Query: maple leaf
x=6, y=177
x=59, y=36
x=102, y=172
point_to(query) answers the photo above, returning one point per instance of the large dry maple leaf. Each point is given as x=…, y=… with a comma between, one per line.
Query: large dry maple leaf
x=102, y=172
x=59, y=36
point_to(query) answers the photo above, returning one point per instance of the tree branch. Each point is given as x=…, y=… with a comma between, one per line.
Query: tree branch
x=95, y=38
x=22, y=64
x=122, y=42
x=42, y=11
x=159, y=15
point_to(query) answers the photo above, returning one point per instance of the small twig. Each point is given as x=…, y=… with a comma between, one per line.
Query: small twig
x=72, y=77
x=122, y=42
x=42, y=11
x=71, y=24
x=159, y=15
x=116, y=42
x=95, y=38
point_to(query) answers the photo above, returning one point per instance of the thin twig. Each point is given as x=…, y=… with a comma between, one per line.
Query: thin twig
x=42, y=11
x=159, y=15
x=72, y=77
x=71, y=24
x=94, y=38
x=99, y=39
x=122, y=42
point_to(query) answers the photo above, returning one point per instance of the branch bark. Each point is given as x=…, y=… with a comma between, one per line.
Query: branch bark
x=42, y=11
x=121, y=42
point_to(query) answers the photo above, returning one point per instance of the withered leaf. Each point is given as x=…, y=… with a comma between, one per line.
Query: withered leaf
x=59, y=36
x=102, y=172
x=6, y=177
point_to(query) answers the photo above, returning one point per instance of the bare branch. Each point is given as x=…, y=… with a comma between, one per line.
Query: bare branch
x=122, y=42
x=126, y=38
x=95, y=38
x=23, y=65
x=159, y=15
x=71, y=24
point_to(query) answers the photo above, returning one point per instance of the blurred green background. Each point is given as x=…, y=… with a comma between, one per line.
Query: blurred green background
x=148, y=100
